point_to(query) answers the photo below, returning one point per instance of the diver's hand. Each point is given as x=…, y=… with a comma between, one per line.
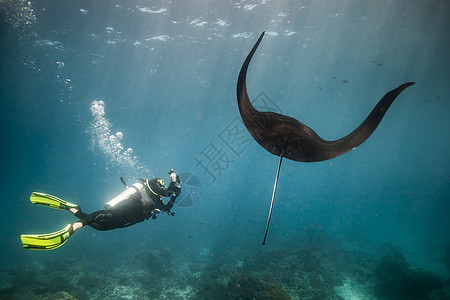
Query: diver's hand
x=154, y=213
x=170, y=213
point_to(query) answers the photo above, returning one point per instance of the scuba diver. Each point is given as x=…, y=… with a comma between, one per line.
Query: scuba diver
x=137, y=203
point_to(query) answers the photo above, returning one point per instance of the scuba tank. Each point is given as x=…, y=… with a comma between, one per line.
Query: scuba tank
x=129, y=192
x=135, y=190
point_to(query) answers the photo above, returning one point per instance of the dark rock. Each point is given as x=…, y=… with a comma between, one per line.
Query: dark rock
x=394, y=279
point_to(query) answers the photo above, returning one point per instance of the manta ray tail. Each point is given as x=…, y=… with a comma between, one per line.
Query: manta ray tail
x=273, y=198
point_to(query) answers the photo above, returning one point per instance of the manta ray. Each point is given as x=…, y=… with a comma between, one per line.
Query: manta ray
x=289, y=138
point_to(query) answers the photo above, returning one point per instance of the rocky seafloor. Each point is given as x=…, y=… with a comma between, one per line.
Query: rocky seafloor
x=316, y=266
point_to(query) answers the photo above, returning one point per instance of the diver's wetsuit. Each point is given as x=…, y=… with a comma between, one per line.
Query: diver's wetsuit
x=132, y=210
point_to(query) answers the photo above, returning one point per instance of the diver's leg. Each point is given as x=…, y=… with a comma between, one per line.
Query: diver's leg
x=77, y=225
x=80, y=215
x=74, y=210
x=101, y=220
x=86, y=219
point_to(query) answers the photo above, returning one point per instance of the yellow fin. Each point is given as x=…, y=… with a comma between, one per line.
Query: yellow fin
x=46, y=241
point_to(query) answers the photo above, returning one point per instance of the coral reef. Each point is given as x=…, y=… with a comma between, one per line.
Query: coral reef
x=246, y=286
x=60, y=296
x=313, y=266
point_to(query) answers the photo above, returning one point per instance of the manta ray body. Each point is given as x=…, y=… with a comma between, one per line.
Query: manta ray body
x=287, y=137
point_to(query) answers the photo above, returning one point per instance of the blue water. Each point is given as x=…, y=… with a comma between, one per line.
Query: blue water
x=166, y=75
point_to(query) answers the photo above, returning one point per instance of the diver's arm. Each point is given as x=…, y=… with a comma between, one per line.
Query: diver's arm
x=166, y=193
x=171, y=202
